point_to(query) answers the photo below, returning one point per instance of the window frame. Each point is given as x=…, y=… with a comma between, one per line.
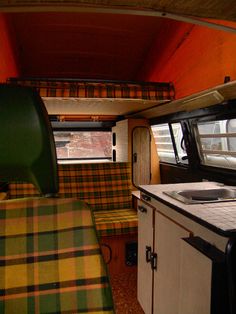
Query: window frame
x=79, y=126
x=177, y=158
x=196, y=170
x=201, y=152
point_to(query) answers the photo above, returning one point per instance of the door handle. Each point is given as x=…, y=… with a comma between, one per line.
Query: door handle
x=135, y=157
x=154, y=261
x=146, y=197
x=148, y=254
x=142, y=209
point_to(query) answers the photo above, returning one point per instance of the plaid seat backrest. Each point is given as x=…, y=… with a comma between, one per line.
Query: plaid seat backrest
x=102, y=185
x=19, y=190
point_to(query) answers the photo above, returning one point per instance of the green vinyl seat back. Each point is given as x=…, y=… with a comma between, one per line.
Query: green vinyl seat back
x=27, y=148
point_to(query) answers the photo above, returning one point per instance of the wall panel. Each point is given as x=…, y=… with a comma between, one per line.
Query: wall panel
x=8, y=66
x=197, y=58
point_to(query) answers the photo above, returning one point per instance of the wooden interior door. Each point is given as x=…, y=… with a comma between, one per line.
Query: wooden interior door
x=141, y=156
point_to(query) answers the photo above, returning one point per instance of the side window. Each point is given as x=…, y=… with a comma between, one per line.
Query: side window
x=179, y=143
x=217, y=143
x=231, y=129
x=172, y=151
x=209, y=133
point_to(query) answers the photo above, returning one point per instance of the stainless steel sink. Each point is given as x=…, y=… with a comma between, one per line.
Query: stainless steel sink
x=203, y=196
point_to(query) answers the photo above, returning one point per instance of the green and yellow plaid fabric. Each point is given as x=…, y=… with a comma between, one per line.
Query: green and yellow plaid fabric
x=50, y=260
x=104, y=186
x=22, y=189
x=89, y=89
x=116, y=222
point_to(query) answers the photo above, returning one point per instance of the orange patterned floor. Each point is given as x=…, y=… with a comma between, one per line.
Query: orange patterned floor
x=124, y=288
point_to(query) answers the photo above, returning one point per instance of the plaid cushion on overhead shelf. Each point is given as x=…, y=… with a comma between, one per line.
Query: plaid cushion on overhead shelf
x=99, y=89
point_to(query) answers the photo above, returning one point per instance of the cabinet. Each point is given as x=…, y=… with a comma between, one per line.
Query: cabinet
x=203, y=278
x=195, y=284
x=145, y=245
x=158, y=267
x=168, y=237
x=178, y=271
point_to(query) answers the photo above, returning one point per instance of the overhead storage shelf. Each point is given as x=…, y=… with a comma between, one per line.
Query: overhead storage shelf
x=139, y=100
x=210, y=97
x=96, y=98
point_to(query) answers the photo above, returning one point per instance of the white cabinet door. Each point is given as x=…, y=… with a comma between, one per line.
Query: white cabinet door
x=145, y=243
x=195, y=283
x=168, y=235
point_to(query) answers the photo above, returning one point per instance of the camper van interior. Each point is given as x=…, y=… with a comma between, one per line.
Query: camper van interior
x=117, y=157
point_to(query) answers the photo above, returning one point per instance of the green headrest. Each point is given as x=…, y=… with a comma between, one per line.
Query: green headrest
x=27, y=148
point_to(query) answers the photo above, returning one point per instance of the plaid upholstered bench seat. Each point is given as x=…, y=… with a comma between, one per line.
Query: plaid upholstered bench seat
x=106, y=187
x=115, y=222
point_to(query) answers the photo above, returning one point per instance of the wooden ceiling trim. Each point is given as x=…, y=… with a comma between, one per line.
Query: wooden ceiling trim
x=95, y=118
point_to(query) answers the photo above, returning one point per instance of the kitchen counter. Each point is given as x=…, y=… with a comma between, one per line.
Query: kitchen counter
x=219, y=217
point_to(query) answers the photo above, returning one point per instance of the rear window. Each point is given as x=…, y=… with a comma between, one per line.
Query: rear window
x=83, y=145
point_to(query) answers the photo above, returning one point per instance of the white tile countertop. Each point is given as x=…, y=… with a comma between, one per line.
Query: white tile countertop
x=218, y=216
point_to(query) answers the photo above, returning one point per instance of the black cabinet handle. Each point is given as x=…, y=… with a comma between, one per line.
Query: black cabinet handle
x=154, y=261
x=146, y=197
x=148, y=254
x=135, y=157
x=142, y=209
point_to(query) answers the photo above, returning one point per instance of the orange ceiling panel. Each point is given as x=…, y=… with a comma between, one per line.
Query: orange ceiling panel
x=83, y=45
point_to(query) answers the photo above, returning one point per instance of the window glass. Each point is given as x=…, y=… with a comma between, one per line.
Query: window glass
x=231, y=128
x=208, y=142
x=179, y=142
x=217, y=143
x=164, y=145
x=83, y=145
